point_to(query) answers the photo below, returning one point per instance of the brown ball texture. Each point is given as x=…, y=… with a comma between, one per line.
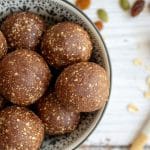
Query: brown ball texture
x=83, y=87
x=20, y=129
x=66, y=43
x=23, y=30
x=56, y=118
x=3, y=45
x=24, y=77
x=2, y=102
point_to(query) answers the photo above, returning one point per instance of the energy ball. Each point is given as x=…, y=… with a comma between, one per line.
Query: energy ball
x=3, y=45
x=20, y=129
x=83, y=87
x=23, y=30
x=24, y=77
x=66, y=43
x=56, y=118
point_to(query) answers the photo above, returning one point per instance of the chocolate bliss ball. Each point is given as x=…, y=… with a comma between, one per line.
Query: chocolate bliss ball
x=24, y=77
x=20, y=129
x=23, y=30
x=56, y=118
x=3, y=45
x=83, y=87
x=66, y=43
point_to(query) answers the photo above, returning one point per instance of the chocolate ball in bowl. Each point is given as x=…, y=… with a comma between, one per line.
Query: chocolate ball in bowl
x=56, y=118
x=3, y=45
x=20, y=129
x=23, y=30
x=66, y=43
x=24, y=77
x=83, y=87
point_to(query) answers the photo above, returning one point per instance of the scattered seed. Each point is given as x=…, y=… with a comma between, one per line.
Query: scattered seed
x=148, y=81
x=102, y=14
x=137, y=62
x=137, y=8
x=147, y=95
x=83, y=4
x=132, y=108
x=125, y=5
x=99, y=25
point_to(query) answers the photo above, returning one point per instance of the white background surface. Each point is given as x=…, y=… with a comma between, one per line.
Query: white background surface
x=126, y=38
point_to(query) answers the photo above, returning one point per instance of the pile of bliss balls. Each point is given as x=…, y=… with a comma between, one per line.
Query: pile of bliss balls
x=28, y=51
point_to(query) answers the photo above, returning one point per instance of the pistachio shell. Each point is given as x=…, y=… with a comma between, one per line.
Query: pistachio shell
x=102, y=14
x=125, y=5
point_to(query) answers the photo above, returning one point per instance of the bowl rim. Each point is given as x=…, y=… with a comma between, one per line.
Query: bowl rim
x=103, y=110
x=110, y=69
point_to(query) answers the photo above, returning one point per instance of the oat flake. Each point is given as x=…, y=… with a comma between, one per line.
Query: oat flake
x=132, y=108
x=137, y=62
x=147, y=95
x=148, y=81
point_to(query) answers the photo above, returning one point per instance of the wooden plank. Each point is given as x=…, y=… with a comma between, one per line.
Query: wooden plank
x=126, y=39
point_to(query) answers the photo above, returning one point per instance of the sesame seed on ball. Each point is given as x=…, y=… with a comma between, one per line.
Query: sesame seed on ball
x=56, y=118
x=20, y=129
x=83, y=87
x=23, y=30
x=24, y=77
x=3, y=45
x=66, y=43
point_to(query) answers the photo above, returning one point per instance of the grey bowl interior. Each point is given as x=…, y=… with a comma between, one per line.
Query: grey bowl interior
x=54, y=11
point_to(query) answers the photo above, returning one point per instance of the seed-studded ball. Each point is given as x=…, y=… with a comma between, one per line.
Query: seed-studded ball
x=2, y=102
x=66, y=43
x=56, y=118
x=23, y=30
x=20, y=129
x=3, y=45
x=24, y=77
x=83, y=87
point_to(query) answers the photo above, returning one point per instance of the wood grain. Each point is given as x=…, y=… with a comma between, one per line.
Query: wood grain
x=126, y=38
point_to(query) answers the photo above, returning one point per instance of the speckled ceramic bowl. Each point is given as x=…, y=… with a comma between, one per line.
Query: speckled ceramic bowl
x=56, y=11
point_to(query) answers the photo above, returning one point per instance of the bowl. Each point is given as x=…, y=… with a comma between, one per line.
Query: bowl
x=54, y=11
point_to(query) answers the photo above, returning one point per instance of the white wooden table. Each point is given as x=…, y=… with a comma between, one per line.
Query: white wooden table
x=126, y=38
